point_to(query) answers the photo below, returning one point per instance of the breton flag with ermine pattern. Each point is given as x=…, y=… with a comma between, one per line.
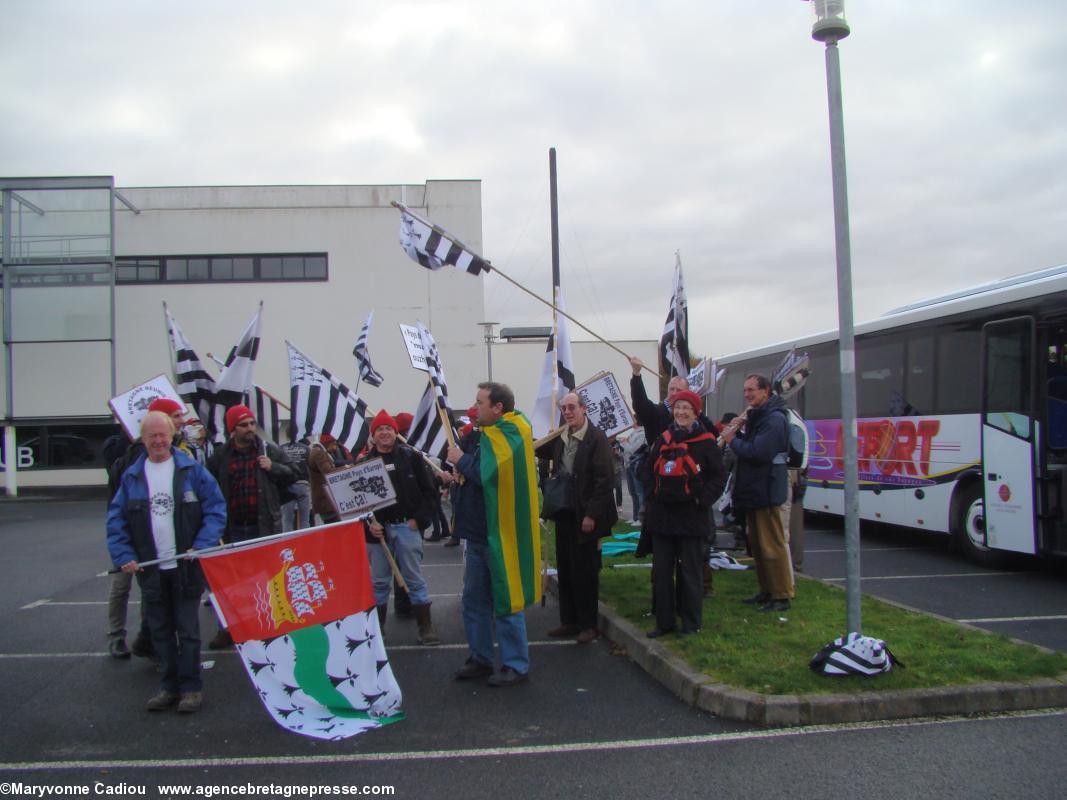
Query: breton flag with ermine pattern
x=192, y=381
x=322, y=404
x=367, y=373
x=558, y=363
x=433, y=247
x=674, y=343
x=266, y=407
x=428, y=432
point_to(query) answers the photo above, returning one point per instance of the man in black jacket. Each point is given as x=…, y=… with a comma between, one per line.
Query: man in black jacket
x=761, y=487
x=399, y=526
x=583, y=452
x=250, y=472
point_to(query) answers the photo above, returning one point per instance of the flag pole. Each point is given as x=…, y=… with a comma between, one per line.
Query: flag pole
x=550, y=304
x=554, y=204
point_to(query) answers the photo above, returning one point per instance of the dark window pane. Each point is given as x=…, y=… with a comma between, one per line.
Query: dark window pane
x=124, y=273
x=222, y=269
x=176, y=269
x=198, y=269
x=315, y=267
x=879, y=377
x=270, y=267
x=957, y=371
x=243, y=269
x=822, y=391
x=919, y=380
x=148, y=272
x=293, y=267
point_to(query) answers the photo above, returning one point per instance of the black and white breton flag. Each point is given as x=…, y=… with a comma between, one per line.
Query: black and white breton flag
x=674, y=343
x=265, y=406
x=193, y=382
x=366, y=371
x=235, y=380
x=428, y=432
x=322, y=404
x=433, y=247
x=558, y=367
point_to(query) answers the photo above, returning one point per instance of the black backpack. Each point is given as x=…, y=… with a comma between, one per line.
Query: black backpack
x=675, y=475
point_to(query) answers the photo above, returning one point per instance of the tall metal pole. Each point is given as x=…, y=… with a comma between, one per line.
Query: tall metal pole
x=554, y=206
x=829, y=28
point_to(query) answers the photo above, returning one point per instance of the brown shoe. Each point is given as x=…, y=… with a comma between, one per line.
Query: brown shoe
x=563, y=631
x=162, y=700
x=190, y=702
x=588, y=635
x=221, y=640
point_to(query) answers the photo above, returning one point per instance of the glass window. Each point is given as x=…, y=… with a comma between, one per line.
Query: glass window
x=919, y=376
x=125, y=273
x=879, y=376
x=270, y=268
x=198, y=269
x=63, y=446
x=315, y=267
x=1007, y=376
x=222, y=269
x=293, y=267
x=176, y=269
x=822, y=391
x=958, y=382
x=148, y=271
x=243, y=269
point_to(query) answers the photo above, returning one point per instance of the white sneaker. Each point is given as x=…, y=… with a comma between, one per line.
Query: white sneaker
x=635, y=522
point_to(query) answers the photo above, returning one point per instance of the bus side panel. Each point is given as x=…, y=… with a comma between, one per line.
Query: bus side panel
x=908, y=467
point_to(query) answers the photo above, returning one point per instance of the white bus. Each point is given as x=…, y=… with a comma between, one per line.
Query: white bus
x=962, y=415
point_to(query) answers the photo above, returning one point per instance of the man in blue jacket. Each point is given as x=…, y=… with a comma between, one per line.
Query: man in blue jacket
x=761, y=487
x=167, y=504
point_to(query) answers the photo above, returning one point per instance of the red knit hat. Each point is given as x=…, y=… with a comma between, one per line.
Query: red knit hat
x=403, y=422
x=326, y=438
x=166, y=405
x=690, y=397
x=236, y=415
x=383, y=418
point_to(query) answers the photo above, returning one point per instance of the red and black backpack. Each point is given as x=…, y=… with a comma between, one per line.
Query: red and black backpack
x=675, y=474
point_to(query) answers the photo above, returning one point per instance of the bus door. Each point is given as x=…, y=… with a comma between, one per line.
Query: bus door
x=1009, y=434
x=1052, y=483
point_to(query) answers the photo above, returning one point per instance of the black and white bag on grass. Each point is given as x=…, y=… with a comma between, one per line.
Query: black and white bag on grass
x=854, y=654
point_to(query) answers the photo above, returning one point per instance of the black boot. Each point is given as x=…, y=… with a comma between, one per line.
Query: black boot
x=427, y=635
x=401, y=602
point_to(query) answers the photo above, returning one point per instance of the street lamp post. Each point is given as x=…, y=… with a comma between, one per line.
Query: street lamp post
x=829, y=28
x=490, y=337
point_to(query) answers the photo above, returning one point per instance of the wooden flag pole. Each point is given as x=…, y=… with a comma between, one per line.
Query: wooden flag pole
x=389, y=557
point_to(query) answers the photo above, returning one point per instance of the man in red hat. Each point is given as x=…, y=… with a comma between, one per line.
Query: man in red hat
x=250, y=471
x=400, y=525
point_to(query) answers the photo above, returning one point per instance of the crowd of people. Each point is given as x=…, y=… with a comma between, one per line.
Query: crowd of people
x=173, y=491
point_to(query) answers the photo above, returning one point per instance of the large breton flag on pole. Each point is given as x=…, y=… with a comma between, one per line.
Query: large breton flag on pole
x=433, y=247
x=509, y=483
x=322, y=404
x=429, y=430
x=266, y=407
x=366, y=371
x=301, y=610
x=674, y=343
x=235, y=381
x=557, y=370
x=193, y=382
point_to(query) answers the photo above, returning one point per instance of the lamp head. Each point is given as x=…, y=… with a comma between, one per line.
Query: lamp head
x=830, y=21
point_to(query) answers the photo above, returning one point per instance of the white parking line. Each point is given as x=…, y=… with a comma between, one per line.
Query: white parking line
x=1014, y=619
x=867, y=549
x=498, y=752
x=866, y=578
x=47, y=602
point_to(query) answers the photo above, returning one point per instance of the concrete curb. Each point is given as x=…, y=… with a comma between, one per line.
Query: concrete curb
x=776, y=711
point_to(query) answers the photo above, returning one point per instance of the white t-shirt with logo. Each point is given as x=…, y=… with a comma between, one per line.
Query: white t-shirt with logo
x=161, y=504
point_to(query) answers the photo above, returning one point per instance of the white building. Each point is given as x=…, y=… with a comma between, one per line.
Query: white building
x=87, y=266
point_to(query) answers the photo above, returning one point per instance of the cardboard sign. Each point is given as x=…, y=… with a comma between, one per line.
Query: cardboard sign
x=130, y=407
x=361, y=488
x=605, y=404
x=414, y=345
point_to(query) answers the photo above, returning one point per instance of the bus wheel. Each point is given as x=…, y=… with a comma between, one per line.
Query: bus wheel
x=970, y=528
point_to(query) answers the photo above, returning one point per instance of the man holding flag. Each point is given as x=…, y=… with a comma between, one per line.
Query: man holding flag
x=496, y=512
x=167, y=504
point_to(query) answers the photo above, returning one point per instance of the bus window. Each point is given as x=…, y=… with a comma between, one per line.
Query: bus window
x=879, y=378
x=958, y=379
x=919, y=376
x=1007, y=376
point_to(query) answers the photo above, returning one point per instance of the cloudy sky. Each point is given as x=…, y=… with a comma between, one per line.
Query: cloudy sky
x=697, y=126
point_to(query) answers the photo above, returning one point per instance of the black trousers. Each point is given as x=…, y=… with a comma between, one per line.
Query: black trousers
x=687, y=552
x=578, y=564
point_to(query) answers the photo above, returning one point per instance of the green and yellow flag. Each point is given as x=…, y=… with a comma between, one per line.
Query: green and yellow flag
x=509, y=481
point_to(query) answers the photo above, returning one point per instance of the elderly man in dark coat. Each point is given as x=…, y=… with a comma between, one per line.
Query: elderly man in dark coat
x=583, y=452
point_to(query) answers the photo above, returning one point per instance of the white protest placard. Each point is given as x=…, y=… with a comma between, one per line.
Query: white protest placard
x=414, y=344
x=361, y=488
x=605, y=404
x=700, y=377
x=129, y=408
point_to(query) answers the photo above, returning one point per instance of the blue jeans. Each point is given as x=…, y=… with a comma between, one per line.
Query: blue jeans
x=633, y=485
x=174, y=621
x=478, y=616
x=406, y=546
x=296, y=514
